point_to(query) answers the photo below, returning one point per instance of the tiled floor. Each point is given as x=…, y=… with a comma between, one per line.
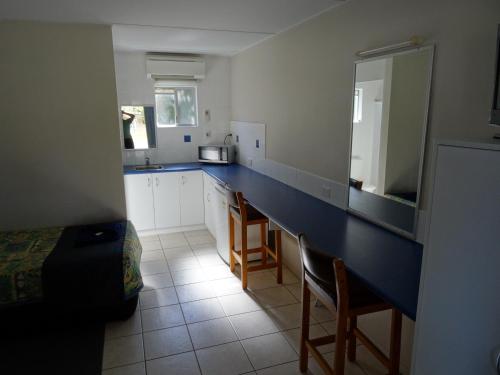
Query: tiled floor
x=194, y=318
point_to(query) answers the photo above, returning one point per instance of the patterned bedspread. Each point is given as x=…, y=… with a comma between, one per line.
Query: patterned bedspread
x=22, y=254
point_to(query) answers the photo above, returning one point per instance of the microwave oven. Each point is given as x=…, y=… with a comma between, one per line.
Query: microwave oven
x=220, y=154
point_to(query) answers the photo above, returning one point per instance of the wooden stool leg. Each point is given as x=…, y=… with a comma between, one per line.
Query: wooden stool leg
x=277, y=245
x=263, y=243
x=244, y=256
x=340, y=341
x=231, y=243
x=304, y=335
x=351, y=345
x=395, y=347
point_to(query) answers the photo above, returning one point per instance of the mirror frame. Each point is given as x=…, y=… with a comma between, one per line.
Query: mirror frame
x=121, y=127
x=368, y=217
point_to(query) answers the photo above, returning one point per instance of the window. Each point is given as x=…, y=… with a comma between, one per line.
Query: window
x=357, y=111
x=176, y=105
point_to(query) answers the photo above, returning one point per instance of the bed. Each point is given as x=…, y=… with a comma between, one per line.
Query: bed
x=89, y=266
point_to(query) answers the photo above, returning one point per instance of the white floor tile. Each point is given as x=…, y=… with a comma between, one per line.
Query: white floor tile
x=255, y=323
x=120, y=328
x=238, y=304
x=209, y=260
x=148, y=256
x=315, y=331
x=268, y=350
x=321, y=313
x=194, y=292
x=122, y=351
x=201, y=240
x=162, y=280
x=224, y=287
x=196, y=233
x=226, y=359
x=158, y=298
x=288, y=276
x=261, y=280
x=205, y=309
x=276, y=296
x=287, y=317
x=191, y=276
x=178, y=252
x=179, y=264
x=169, y=241
x=149, y=238
x=290, y=368
x=296, y=290
x=162, y=317
x=166, y=342
x=135, y=369
x=212, y=332
x=217, y=272
x=151, y=245
x=179, y=364
x=154, y=267
x=204, y=249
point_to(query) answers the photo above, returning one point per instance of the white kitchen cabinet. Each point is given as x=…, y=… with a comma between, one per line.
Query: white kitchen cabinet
x=166, y=192
x=209, y=200
x=165, y=200
x=139, y=199
x=191, y=198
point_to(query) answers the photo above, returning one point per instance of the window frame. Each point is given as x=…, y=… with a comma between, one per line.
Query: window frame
x=173, y=85
x=357, y=111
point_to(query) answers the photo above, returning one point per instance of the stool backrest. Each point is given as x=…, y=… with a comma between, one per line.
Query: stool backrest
x=236, y=200
x=325, y=268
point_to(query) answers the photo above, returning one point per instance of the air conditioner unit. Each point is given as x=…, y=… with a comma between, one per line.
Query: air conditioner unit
x=174, y=67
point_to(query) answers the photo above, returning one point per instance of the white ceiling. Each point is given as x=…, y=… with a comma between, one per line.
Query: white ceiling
x=197, y=26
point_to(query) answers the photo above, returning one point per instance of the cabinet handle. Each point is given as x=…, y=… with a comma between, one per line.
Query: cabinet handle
x=149, y=181
x=157, y=181
x=183, y=178
x=208, y=196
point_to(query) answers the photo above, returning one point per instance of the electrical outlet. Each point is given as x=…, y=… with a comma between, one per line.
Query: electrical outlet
x=187, y=138
x=237, y=138
x=326, y=192
x=257, y=143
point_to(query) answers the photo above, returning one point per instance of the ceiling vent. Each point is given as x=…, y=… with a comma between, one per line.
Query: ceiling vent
x=162, y=66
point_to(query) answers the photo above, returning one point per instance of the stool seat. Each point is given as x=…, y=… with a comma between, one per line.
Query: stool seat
x=359, y=295
x=253, y=215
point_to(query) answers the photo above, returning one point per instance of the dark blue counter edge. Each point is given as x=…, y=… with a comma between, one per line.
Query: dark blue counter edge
x=210, y=169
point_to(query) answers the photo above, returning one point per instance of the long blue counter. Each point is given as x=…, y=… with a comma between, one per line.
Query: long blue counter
x=388, y=263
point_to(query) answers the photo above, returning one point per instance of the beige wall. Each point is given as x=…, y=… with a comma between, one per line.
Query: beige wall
x=299, y=83
x=60, y=149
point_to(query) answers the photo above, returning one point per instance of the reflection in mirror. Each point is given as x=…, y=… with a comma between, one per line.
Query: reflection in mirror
x=390, y=101
x=139, y=130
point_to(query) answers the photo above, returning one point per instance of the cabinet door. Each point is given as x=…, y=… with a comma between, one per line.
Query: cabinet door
x=209, y=199
x=166, y=200
x=139, y=199
x=191, y=193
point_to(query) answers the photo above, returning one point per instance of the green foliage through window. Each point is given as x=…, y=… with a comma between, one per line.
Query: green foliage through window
x=176, y=106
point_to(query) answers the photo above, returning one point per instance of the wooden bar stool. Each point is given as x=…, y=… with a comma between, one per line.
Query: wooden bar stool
x=347, y=297
x=243, y=213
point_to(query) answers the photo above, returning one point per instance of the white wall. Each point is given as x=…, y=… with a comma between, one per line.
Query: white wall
x=299, y=83
x=134, y=87
x=59, y=127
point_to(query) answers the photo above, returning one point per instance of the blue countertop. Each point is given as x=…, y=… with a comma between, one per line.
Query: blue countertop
x=388, y=263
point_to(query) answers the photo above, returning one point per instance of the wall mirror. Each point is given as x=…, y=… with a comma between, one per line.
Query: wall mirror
x=139, y=130
x=389, y=121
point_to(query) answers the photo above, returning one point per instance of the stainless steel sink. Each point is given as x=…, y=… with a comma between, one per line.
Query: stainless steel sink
x=148, y=167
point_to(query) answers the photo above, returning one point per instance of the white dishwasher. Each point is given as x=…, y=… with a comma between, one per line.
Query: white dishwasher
x=222, y=228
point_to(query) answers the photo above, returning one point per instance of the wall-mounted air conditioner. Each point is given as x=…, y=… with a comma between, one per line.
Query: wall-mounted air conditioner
x=160, y=66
